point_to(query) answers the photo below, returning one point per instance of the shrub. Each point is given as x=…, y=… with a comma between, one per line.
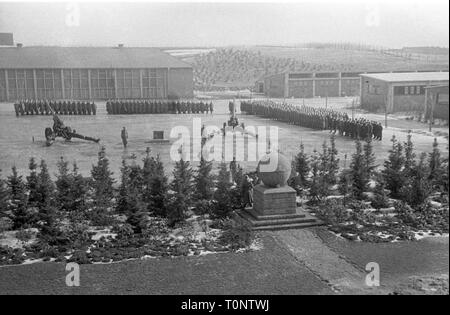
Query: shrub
x=183, y=190
x=332, y=212
x=223, y=201
x=6, y=224
x=123, y=231
x=236, y=234
x=18, y=201
x=380, y=199
x=203, y=207
x=24, y=235
x=102, y=182
x=393, y=169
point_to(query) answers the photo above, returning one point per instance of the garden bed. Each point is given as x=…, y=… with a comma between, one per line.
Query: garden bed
x=197, y=236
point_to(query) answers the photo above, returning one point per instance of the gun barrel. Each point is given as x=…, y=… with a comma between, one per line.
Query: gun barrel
x=78, y=136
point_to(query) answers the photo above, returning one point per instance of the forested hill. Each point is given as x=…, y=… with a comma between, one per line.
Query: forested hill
x=239, y=68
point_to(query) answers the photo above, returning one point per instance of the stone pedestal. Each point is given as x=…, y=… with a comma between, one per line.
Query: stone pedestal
x=275, y=209
x=274, y=201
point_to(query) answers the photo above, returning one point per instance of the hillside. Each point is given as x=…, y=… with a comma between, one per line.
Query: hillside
x=240, y=67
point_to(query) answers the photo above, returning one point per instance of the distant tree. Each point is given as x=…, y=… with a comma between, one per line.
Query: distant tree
x=183, y=191
x=302, y=165
x=435, y=163
x=45, y=186
x=223, y=202
x=333, y=161
x=136, y=178
x=130, y=200
x=3, y=196
x=102, y=182
x=46, y=193
x=78, y=190
x=204, y=181
x=148, y=172
x=157, y=202
x=18, y=200
x=236, y=191
x=122, y=201
x=418, y=186
x=393, y=169
x=32, y=183
x=316, y=186
x=345, y=182
x=369, y=159
x=410, y=156
x=63, y=186
x=359, y=172
x=381, y=199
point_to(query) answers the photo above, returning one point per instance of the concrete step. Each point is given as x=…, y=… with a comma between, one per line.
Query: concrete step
x=286, y=226
x=276, y=221
x=256, y=216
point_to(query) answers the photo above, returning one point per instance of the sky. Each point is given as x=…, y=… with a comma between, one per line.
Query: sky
x=393, y=24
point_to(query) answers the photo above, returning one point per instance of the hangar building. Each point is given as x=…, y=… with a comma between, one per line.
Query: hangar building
x=92, y=73
x=398, y=92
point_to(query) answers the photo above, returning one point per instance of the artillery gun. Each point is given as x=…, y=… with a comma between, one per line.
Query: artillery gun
x=62, y=131
x=233, y=121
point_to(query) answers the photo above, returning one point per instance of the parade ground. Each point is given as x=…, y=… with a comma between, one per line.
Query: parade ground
x=23, y=137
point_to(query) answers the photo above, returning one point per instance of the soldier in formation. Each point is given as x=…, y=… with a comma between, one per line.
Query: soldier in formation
x=123, y=107
x=50, y=107
x=316, y=118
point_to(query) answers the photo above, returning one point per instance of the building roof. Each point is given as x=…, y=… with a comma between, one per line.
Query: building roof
x=37, y=57
x=438, y=88
x=408, y=76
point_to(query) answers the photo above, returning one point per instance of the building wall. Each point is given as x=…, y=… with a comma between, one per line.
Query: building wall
x=308, y=85
x=274, y=85
x=301, y=88
x=438, y=98
x=95, y=83
x=408, y=103
x=2, y=85
x=181, y=83
x=374, y=94
x=351, y=87
x=327, y=87
x=441, y=109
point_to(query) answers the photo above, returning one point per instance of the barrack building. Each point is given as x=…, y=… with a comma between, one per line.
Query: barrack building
x=92, y=73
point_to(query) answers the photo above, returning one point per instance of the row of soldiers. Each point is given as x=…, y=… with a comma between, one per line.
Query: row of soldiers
x=50, y=107
x=315, y=118
x=124, y=107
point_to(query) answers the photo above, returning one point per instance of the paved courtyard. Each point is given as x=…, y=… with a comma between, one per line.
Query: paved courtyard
x=17, y=146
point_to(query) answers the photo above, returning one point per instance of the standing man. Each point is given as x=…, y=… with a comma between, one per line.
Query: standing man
x=124, y=136
x=247, y=192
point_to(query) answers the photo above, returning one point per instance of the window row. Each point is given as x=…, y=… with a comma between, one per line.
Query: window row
x=409, y=90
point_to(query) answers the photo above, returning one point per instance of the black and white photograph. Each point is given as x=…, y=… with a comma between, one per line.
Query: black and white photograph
x=224, y=154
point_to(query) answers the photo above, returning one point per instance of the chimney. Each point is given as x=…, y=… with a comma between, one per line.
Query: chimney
x=19, y=45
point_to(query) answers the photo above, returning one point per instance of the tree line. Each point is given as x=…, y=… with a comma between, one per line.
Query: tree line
x=404, y=176
x=145, y=188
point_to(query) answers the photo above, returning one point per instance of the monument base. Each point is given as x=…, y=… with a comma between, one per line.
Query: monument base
x=299, y=220
x=273, y=201
x=275, y=209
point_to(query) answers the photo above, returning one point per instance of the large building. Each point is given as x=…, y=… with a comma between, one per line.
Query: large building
x=310, y=84
x=398, y=92
x=92, y=73
x=436, y=104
